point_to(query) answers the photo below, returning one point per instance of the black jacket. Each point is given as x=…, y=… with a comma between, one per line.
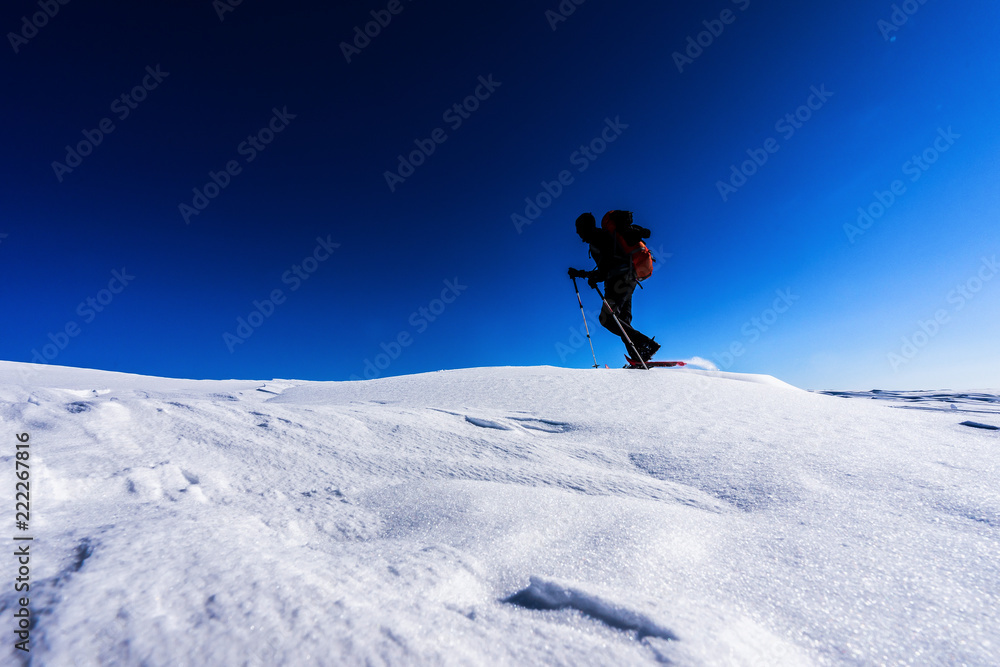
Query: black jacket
x=611, y=259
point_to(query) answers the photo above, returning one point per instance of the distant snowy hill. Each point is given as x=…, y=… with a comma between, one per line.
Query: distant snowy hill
x=500, y=516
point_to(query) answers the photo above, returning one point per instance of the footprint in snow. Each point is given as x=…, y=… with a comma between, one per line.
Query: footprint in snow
x=546, y=425
x=486, y=423
x=163, y=481
x=985, y=427
x=544, y=595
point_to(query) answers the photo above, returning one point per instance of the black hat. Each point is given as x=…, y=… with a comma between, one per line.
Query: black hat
x=585, y=223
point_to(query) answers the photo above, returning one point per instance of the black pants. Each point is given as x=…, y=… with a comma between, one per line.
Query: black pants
x=618, y=293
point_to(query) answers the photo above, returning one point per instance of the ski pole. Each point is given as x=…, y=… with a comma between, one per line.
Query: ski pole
x=585, y=327
x=622, y=329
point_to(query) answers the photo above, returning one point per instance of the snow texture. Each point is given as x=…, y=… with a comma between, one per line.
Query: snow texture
x=503, y=516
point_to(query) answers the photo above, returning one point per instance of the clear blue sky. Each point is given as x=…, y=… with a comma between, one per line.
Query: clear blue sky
x=267, y=91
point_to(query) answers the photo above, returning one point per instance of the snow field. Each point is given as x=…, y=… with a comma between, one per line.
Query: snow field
x=501, y=516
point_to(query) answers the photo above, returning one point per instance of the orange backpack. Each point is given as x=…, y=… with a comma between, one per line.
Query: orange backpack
x=642, y=259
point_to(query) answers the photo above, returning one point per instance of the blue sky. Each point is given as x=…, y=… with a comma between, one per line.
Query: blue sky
x=260, y=106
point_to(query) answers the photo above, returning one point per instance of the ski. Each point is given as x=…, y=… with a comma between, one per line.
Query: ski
x=635, y=363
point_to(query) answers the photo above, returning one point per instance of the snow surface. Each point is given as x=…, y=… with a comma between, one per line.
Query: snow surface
x=500, y=516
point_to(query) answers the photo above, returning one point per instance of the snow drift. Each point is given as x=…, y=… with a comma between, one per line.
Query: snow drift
x=503, y=516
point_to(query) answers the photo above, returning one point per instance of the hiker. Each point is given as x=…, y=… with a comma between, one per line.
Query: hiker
x=613, y=247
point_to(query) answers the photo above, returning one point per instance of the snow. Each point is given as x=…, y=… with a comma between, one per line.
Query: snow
x=503, y=516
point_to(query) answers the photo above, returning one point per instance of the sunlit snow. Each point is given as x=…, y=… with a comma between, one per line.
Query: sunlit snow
x=502, y=516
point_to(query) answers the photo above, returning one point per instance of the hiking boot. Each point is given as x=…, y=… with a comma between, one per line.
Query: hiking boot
x=647, y=351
